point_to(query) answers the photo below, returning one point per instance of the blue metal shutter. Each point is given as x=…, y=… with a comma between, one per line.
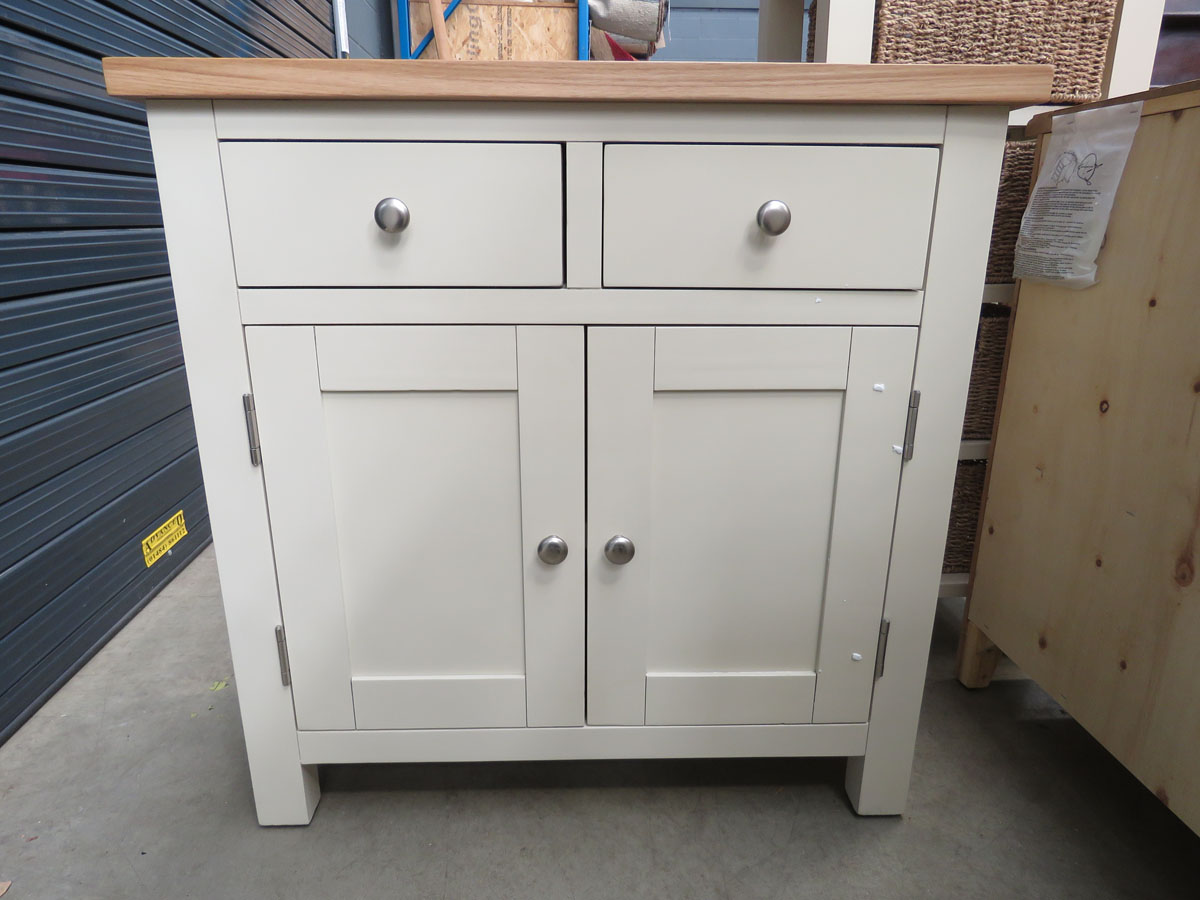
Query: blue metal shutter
x=711, y=31
x=97, y=447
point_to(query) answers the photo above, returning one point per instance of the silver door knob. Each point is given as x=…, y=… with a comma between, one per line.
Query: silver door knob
x=392, y=215
x=619, y=550
x=774, y=217
x=552, y=550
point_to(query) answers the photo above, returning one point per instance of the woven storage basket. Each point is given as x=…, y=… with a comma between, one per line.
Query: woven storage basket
x=985, y=372
x=964, y=515
x=810, y=42
x=1071, y=35
x=1015, y=177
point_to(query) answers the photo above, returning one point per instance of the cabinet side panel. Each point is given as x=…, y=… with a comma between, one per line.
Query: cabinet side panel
x=1085, y=575
x=970, y=171
x=189, y=183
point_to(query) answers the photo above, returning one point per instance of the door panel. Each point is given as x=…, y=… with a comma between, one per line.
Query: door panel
x=737, y=476
x=443, y=701
x=427, y=505
x=408, y=576
x=417, y=358
x=620, y=380
x=728, y=359
x=552, y=496
x=877, y=392
x=727, y=456
x=724, y=698
x=287, y=393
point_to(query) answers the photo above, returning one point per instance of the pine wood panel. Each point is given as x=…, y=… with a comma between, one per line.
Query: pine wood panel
x=370, y=79
x=1157, y=100
x=1086, y=569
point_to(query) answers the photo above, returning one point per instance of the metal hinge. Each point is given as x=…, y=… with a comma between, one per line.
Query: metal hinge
x=881, y=647
x=252, y=429
x=910, y=427
x=285, y=669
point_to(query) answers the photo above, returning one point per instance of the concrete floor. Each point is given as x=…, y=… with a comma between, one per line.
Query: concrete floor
x=131, y=783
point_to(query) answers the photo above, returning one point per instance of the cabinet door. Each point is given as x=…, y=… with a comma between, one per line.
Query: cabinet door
x=755, y=471
x=411, y=473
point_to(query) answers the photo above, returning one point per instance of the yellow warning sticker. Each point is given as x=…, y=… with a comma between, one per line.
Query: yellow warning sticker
x=164, y=537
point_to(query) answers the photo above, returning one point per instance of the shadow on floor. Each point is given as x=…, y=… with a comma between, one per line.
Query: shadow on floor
x=566, y=774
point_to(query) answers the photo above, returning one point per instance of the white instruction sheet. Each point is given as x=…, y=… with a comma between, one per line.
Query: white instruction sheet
x=1063, y=227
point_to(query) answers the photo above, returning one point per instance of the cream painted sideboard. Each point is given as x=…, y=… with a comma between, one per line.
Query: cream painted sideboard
x=571, y=410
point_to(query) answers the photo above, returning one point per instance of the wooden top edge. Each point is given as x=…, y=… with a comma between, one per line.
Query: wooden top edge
x=388, y=79
x=1184, y=95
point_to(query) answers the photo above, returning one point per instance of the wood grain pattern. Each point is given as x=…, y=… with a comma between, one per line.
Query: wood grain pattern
x=1086, y=569
x=441, y=38
x=371, y=79
x=1158, y=100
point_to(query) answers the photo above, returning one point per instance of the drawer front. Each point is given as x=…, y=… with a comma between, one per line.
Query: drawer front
x=480, y=215
x=686, y=216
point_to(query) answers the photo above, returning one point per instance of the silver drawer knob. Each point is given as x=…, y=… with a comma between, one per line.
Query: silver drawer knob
x=391, y=215
x=774, y=217
x=619, y=550
x=552, y=550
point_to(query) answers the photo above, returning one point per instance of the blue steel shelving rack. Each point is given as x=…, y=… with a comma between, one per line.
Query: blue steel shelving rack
x=407, y=51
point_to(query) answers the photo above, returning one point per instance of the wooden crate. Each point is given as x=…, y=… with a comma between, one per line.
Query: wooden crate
x=498, y=29
x=1086, y=568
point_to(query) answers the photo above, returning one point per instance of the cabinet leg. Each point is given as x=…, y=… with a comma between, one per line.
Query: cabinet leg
x=284, y=795
x=878, y=787
x=977, y=657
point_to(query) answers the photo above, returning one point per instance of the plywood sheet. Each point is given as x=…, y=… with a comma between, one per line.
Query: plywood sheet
x=525, y=31
x=1086, y=574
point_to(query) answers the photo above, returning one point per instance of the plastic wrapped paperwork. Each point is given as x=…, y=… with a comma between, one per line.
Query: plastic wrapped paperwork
x=1082, y=161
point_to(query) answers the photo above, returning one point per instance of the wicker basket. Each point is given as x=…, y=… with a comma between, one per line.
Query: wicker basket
x=1015, y=177
x=1071, y=35
x=990, y=340
x=964, y=515
x=810, y=42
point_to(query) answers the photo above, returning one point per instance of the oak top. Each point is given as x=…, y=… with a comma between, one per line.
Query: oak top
x=389, y=79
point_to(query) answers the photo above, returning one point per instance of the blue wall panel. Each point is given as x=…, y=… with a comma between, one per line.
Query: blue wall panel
x=97, y=447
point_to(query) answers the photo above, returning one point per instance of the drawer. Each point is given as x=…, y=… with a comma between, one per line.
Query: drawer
x=686, y=216
x=303, y=214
